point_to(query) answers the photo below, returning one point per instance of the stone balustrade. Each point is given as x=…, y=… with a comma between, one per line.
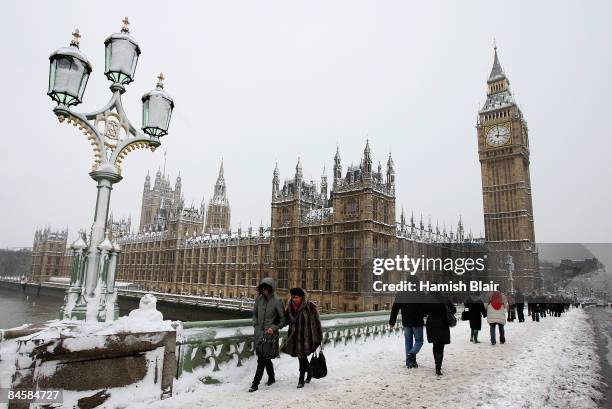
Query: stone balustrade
x=215, y=345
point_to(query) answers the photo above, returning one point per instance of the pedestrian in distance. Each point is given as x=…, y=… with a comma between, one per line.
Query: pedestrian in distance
x=268, y=319
x=437, y=325
x=475, y=311
x=413, y=310
x=511, y=308
x=519, y=298
x=534, y=306
x=497, y=308
x=305, y=333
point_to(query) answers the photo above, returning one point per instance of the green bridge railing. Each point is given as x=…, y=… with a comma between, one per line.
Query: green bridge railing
x=214, y=345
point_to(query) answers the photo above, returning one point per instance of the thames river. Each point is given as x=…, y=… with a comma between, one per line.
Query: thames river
x=18, y=308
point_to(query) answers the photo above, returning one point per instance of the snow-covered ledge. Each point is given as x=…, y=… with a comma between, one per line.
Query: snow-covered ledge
x=92, y=362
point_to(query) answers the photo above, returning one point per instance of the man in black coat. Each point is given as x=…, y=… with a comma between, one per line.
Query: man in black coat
x=475, y=310
x=519, y=298
x=412, y=308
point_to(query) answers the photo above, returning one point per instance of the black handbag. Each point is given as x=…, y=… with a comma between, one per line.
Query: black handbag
x=465, y=315
x=267, y=346
x=318, y=366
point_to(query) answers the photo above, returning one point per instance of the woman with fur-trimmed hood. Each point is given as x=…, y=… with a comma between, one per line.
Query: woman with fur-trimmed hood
x=305, y=334
x=268, y=319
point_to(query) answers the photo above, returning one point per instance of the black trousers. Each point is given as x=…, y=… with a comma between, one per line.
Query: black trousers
x=438, y=348
x=263, y=363
x=519, y=310
x=304, y=364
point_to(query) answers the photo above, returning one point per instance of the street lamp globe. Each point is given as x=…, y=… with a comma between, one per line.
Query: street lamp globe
x=121, y=57
x=68, y=74
x=157, y=108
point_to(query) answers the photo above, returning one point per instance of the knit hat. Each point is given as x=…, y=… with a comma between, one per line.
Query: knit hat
x=297, y=291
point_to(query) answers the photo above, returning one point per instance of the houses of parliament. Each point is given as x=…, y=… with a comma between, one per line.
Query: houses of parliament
x=324, y=236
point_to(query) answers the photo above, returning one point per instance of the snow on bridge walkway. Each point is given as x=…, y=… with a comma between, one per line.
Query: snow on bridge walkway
x=550, y=364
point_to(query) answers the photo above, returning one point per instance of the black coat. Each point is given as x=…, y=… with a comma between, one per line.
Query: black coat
x=412, y=308
x=438, y=331
x=475, y=311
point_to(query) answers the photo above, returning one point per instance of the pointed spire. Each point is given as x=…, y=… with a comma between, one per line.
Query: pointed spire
x=337, y=155
x=275, y=173
x=298, y=169
x=367, y=151
x=221, y=171
x=497, y=73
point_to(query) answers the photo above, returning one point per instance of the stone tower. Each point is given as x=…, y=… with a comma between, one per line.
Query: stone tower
x=218, y=213
x=503, y=149
x=160, y=201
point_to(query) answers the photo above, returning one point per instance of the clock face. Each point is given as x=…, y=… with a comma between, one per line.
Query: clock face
x=498, y=135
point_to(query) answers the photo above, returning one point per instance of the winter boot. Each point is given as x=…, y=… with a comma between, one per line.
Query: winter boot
x=472, y=336
x=301, y=380
x=409, y=360
x=438, y=360
x=308, y=375
x=476, y=341
x=414, y=362
x=253, y=388
x=270, y=381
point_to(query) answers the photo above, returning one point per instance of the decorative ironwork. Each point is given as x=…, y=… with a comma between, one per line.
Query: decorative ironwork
x=206, y=350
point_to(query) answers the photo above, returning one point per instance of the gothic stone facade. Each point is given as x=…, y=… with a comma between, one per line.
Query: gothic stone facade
x=503, y=149
x=322, y=241
x=50, y=257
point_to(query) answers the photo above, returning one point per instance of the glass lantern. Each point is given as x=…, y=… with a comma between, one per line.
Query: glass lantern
x=157, y=108
x=68, y=74
x=121, y=56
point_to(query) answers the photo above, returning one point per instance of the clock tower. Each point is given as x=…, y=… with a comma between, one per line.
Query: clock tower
x=503, y=150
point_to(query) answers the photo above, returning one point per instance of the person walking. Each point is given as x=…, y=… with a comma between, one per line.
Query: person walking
x=534, y=307
x=305, y=333
x=511, y=308
x=412, y=308
x=268, y=319
x=497, y=308
x=475, y=311
x=437, y=325
x=519, y=298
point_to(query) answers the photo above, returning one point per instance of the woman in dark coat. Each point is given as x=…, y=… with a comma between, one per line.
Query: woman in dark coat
x=437, y=326
x=475, y=311
x=305, y=334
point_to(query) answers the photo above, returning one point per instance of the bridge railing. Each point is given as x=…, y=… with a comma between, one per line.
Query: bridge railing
x=212, y=346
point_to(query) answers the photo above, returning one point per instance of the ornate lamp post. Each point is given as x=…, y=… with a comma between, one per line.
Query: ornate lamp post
x=510, y=270
x=92, y=293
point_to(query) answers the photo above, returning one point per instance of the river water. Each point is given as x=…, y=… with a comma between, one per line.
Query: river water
x=18, y=308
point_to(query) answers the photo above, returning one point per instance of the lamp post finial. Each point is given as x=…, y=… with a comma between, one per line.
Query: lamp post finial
x=76, y=35
x=126, y=25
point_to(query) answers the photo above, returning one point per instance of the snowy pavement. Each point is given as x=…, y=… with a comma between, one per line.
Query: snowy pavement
x=550, y=364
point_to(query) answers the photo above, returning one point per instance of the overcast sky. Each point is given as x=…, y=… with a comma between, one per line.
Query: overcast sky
x=259, y=82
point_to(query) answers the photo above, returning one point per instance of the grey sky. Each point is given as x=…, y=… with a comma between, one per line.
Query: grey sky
x=259, y=82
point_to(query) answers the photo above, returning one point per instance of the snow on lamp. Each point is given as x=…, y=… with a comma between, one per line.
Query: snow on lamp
x=157, y=108
x=68, y=74
x=121, y=56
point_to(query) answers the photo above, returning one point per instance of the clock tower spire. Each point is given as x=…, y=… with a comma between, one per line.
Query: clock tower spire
x=503, y=150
